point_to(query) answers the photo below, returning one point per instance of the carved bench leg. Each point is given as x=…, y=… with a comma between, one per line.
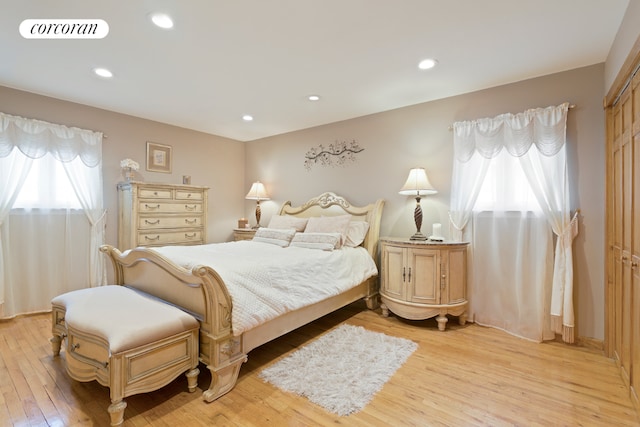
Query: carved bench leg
x=192, y=379
x=116, y=411
x=56, y=343
x=223, y=379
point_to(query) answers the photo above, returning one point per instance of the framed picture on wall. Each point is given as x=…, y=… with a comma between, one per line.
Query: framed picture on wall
x=158, y=157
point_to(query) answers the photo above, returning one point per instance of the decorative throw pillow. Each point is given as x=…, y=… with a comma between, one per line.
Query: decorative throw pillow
x=329, y=224
x=322, y=241
x=287, y=221
x=280, y=237
x=356, y=232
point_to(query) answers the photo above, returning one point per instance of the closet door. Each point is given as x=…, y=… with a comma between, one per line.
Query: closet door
x=627, y=207
x=615, y=218
x=635, y=240
x=623, y=229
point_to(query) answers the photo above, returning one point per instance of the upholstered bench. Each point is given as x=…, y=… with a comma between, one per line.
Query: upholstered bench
x=125, y=340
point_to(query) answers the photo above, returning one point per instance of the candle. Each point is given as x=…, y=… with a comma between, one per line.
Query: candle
x=437, y=230
x=242, y=223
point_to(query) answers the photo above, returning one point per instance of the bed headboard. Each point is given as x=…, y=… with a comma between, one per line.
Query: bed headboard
x=330, y=204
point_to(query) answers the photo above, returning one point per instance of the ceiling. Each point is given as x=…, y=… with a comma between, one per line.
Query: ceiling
x=224, y=59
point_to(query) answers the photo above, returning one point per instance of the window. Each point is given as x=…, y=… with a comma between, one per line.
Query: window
x=505, y=187
x=47, y=187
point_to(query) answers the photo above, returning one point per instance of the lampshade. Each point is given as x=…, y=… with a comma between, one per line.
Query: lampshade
x=417, y=184
x=257, y=192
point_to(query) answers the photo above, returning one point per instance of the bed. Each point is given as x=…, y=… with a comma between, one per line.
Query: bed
x=201, y=290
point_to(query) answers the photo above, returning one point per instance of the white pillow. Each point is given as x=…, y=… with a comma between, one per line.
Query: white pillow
x=280, y=237
x=322, y=241
x=329, y=224
x=287, y=221
x=356, y=232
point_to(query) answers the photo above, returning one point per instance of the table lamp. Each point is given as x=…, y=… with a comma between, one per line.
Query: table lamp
x=417, y=185
x=257, y=193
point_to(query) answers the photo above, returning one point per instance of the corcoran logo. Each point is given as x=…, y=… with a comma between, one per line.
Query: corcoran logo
x=64, y=29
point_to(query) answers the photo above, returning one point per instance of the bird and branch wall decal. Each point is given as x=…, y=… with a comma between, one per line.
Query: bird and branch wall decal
x=339, y=153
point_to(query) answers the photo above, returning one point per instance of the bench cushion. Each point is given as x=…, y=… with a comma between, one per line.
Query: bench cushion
x=123, y=317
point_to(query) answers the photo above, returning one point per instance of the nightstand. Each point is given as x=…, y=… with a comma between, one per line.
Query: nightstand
x=424, y=279
x=243, y=233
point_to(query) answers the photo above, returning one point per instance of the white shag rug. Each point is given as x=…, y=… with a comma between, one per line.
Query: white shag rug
x=343, y=369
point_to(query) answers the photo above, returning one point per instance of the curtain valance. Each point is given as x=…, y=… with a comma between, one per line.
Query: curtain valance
x=35, y=138
x=544, y=127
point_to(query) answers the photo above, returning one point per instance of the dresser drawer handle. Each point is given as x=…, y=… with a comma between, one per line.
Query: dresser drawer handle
x=190, y=221
x=156, y=222
x=152, y=238
x=151, y=207
x=190, y=208
x=188, y=195
x=189, y=236
x=75, y=346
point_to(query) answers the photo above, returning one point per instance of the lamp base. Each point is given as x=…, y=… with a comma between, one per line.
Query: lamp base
x=418, y=236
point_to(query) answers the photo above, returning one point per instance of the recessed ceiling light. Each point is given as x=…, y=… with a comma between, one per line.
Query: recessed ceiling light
x=314, y=98
x=162, y=20
x=247, y=118
x=426, y=64
x=103, y=72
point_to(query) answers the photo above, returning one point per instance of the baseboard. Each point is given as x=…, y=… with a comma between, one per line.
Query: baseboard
x=591, y=343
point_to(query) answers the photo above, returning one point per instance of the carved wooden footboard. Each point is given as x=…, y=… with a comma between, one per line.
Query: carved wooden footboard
x=203, y=293
x=199, y=291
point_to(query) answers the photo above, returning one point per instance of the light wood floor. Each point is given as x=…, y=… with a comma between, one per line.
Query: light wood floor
x=465, y=376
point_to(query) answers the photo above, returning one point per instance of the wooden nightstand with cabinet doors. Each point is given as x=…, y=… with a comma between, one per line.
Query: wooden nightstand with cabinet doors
x=243, y=233
x=424, y=279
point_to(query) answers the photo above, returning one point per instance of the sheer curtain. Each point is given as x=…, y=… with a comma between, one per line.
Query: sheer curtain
x=537, y=139
x=36, y=262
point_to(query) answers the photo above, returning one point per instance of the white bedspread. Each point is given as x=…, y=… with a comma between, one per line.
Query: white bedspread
x=266, y=281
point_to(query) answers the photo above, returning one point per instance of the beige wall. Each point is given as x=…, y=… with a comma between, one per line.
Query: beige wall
x=628, y=35
x=393, y=142
x=419, y=135
x=210, y=160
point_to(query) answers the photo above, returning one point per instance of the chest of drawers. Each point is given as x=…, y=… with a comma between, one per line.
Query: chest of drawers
x=161, y=214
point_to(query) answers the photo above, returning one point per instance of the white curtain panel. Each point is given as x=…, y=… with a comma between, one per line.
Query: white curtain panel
x=53, y=247
x=22, y=141
x=513, y=269
x=537, y=138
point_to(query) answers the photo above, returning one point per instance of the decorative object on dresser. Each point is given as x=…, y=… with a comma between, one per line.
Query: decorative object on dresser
x=417, y=185
x=367, y=360
x=436, y=234
x=257, y=193
x=161, y=214
x=158, y=157
x=243, y=233
x=128, y=167
x=422, y=279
